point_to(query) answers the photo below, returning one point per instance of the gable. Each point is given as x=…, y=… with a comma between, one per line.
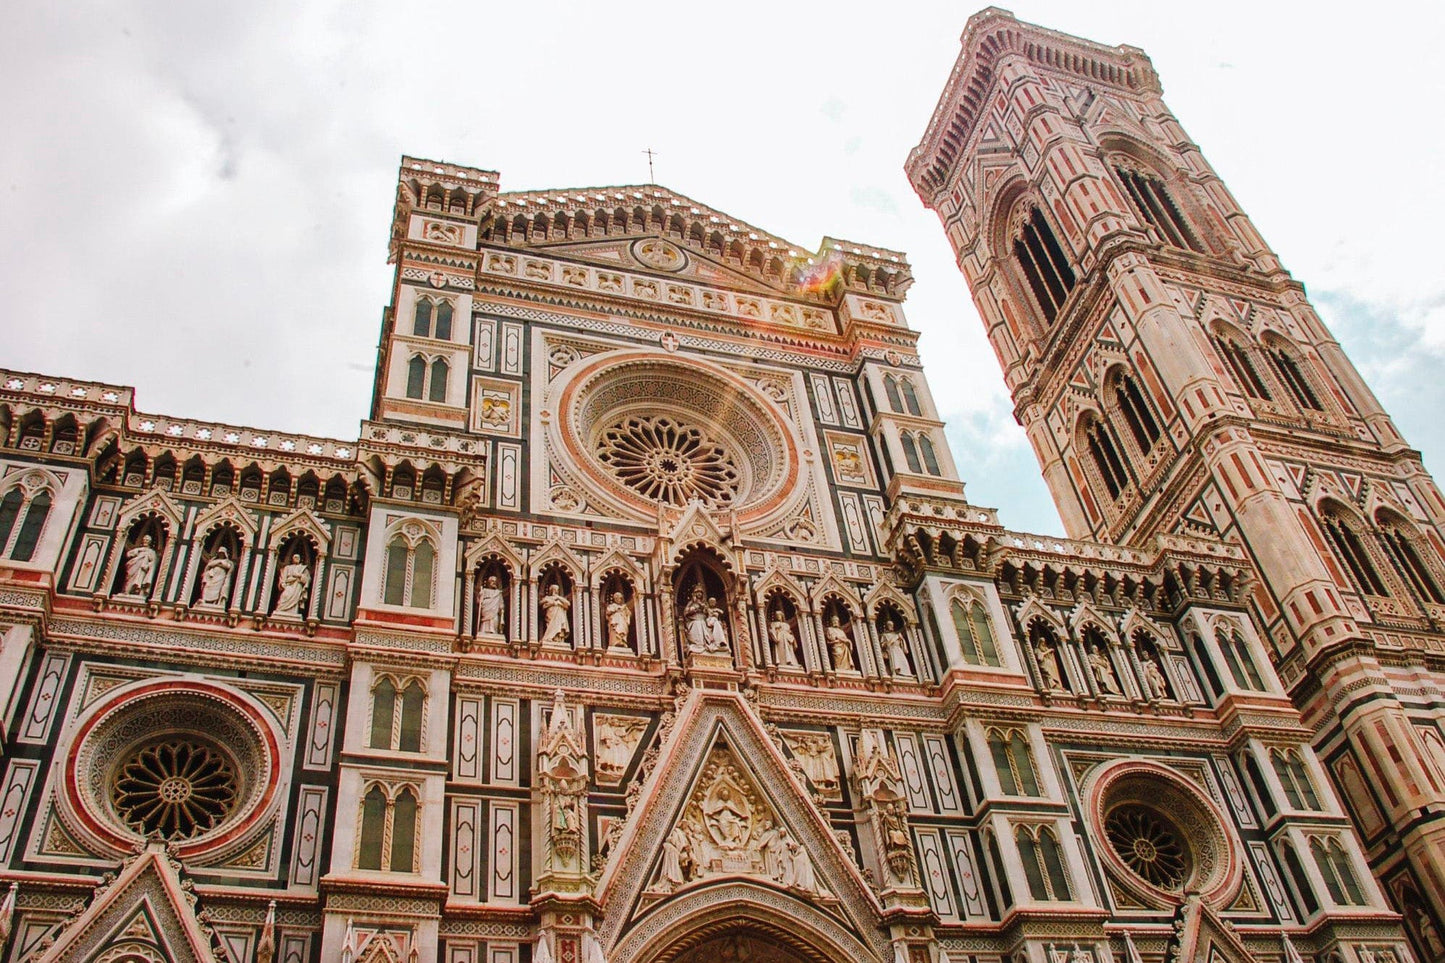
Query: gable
x=722, y=810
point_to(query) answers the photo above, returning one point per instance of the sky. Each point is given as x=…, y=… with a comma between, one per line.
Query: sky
x=195, y=198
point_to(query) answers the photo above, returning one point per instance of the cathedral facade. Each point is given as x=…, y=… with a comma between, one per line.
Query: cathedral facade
x=646, y=620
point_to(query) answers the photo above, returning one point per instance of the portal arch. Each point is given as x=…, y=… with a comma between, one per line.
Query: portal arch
x=698, y=926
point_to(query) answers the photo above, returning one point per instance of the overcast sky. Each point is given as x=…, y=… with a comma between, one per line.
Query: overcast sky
x=195, y=197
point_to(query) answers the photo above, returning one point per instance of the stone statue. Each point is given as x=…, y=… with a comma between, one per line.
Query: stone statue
x=1048, y=665
x=1103, y=671
x=801, y=868
x=216, y=578
x=295, y=580
x=717, y=632
x=140, y=568
x=489, y=607
x=895, y=649
x=554, y=612
x=1154, y=680
x=694, y=620
x=785, y=645
x=676, y=849
x=619, y=621
x=840, y=647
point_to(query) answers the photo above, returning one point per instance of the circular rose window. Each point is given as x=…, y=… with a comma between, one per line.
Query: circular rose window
x=1164, y=837
x=176, y=788
x=186, y=761
x=638, y=430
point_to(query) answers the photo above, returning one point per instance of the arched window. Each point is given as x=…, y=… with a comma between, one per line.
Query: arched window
x=1237, y=656
x=388, y=830
x=1241, y=362
x=1294, y=779
x=975, y=636
x=9, y=511
x=1398, y=537
x=383, y=713
x=444, y=321
x=1301, y=879
x=1157, y=209
x=1287, y=368
x=1206, y=665
x=1136, y=412
x=416, y=377
x=373, y=829
x=438, y=388
x=403, y=832
x=930, y=457
x=409, y=572
x=1013, y=762
x=412, y=700
x=1351, y=550
x=1043, y=263
x=1043, y=863
x=910, y=398
x=421, y=324
x=910, y=452
x=1334, y=866
x=1105, y=454
x=890, y=385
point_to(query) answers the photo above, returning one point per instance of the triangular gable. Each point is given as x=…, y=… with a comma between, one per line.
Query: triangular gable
x=153, y=502
x=1203, y=937
x=719, y=774
x=304, y=521
x=696, y=527
x=146, y=905
x=230, y=509
x=1085, y=614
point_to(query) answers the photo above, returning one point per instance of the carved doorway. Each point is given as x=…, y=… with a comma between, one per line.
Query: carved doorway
x=740, y=946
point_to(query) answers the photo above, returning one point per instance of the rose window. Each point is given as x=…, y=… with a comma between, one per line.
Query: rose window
x=668, y=461
x=177, y=788
x=1149, y=844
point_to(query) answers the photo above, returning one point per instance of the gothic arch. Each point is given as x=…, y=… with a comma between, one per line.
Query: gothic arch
x=702, y=915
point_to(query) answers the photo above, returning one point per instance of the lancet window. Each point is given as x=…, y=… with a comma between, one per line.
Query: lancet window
x=433, y=319
x=1131, y=403
x=1242, y=667
x=1294, y=779
x=1334, y=865
x=1043, y=263
x=427, y=380
x=1156, y=208
x=1399, y=538
x=30, y=509
x=410, y=567
x=975, y=635
x=1240, y=360
x=1287, y=368
x=1043, y=862
x=1104, y=452
x=1350, y=548
x=1014, y=762
x=396, y=714
x=388, y=829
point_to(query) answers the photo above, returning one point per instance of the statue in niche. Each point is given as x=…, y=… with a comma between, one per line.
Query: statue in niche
x=895, y=649
x=1154, y=679
x=785, y=644
x=554, y=612
x=619, y=621
x=216, y=578
x=1048, y=665
x=1103, y=671
x=703, y=621
x=140, y=567
x=840, y=647
x=489, y=606
x=295, y=580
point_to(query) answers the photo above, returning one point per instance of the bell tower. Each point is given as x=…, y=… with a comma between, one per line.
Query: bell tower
x=1174, y=379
